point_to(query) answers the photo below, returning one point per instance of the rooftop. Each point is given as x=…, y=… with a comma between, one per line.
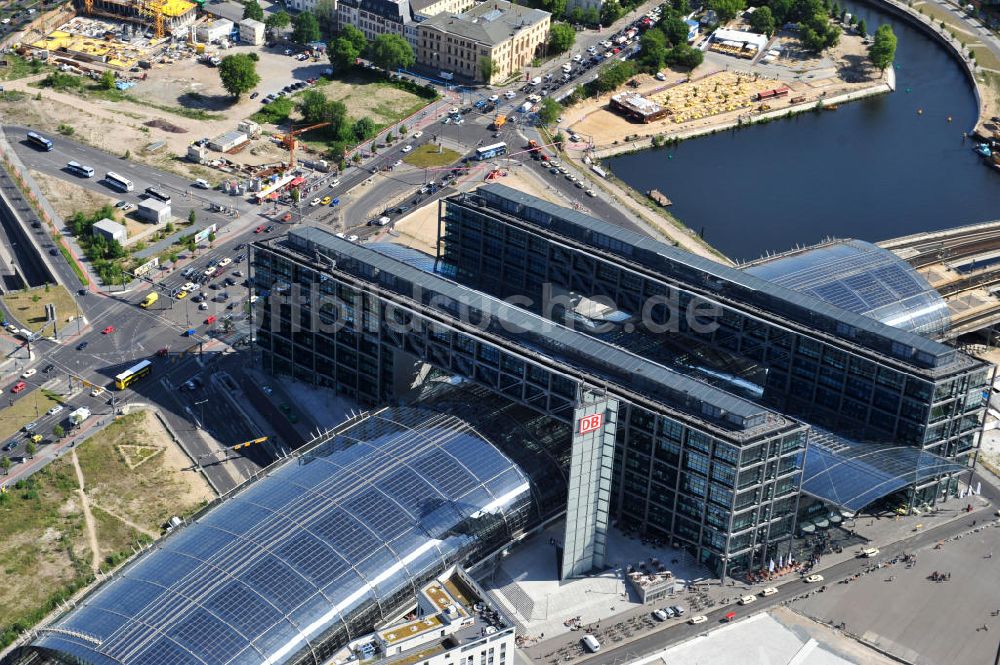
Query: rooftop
x=287, y=561
x=637, y=103
x=721, y=282
x=490, y=22
x=598, y=360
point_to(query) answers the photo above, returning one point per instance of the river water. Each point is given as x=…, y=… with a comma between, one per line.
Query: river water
x=873, y=169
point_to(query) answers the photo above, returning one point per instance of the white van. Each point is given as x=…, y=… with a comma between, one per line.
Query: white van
x=769, y=591
x=591, y=644
x=869, y=552
x=746, y=600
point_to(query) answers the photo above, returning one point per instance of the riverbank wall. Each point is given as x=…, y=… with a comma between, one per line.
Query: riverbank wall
x=941, y=35
x=888, y=84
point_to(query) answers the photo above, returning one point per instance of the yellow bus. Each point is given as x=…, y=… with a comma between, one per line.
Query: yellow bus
x=123, y=380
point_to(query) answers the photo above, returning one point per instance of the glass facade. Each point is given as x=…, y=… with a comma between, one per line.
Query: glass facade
x=676, y=438
x=860, y=277
x=845, y=372
x=326, y=546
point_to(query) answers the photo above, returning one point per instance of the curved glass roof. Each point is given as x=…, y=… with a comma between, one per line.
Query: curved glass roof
x=851, y=475
x=319, y=550
x=862, y=278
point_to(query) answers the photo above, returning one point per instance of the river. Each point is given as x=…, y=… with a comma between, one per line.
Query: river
x=873, y=169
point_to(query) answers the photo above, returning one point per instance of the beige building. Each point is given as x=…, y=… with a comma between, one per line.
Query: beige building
x=435, y=7
x=508, y=35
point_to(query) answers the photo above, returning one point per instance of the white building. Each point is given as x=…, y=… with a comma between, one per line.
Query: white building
x=110, y=230
x=214, y=30
x=153, y=210
x=227, y=141
x=251, y=32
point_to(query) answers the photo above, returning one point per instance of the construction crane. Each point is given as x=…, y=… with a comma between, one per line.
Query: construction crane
x=154, y=10
x=288, y=140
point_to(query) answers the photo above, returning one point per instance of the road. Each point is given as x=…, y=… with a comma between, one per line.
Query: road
x=676, y=631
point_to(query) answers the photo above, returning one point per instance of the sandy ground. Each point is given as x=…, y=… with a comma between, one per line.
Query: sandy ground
x=842, y=70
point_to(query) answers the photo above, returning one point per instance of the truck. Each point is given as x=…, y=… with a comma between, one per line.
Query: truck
x=499, y=121
x=150, y=298
x=525, y=107
x=77, y=417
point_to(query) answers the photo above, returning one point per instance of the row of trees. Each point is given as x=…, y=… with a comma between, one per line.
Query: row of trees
x=342, y=130
x=387, y=51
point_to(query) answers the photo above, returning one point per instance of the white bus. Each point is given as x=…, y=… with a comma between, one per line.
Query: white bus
x=120, y=183
x=491, y=151
x=79, y=169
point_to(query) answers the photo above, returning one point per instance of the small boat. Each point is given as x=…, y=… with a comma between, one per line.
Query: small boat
x=830, y=107
x=983, y=149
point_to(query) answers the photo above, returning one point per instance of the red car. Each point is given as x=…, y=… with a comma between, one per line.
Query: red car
x=108, y=330
x=162, y=353
x=18, y=387
x=210, y=320
x=259, y=229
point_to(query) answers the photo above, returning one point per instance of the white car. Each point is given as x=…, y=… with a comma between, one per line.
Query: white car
x=54, y=410
x=315, y=201
x=701, y=618
x=190, y=286
x=494, y=98
x=28, y=373
x=814, y=578
x=12, y=328
x=660, y=76
x=746, y=600
x=577, y=58
x=225, y=262
x=399, y=162
x=416, y=135
x=352, y=238
x=769, y=591
x=407, y=148
x=203, y=305
x=510, y=94
x=659, y=615
x=591, y=192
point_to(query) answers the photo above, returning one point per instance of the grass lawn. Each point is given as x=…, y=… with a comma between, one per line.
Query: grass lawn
x=986, y=58
x=24, y=411
x=938, y=14
x=18, y=68
x=28, y=306
x=427, y=155
x=134, y=482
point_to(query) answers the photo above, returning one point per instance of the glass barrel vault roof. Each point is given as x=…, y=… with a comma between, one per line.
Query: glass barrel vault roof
x=862, y=278
x=264, y=574
x=851, y=475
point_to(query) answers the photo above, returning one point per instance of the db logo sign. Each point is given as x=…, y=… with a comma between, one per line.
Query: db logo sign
x=591, y=423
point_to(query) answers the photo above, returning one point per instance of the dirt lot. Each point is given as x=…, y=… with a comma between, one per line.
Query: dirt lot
x=134, y=480
x=68, y=198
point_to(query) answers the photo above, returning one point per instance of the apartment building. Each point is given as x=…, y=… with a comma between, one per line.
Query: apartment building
x=507, y=35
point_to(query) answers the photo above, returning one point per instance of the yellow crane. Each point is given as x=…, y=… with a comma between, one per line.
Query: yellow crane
x=153, y=9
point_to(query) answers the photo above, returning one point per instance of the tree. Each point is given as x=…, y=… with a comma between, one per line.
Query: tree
x=561, y=37
x=653, y=52
x=313, y=106
x=611, y=12
x=391, y=51
x=279, y=20
x=30, y=449
x=238, y=74
x=591, y=16
x=612, y=77
x=252, y=10
x=675, y=29
x=356, y=37
x=818, y=33
x=762, y=21
x=486, y=68
x=5, y=464
x=363, y=128
x=684, y=55
x=549, y=111
x=326, y=16
x=58, y=431
x=107, y=81
x=727, y=9
x=556, y=7
x=781, y=9
x=682, y=7
x=192, y=216
x=305, y=28
x=862, y=28
x=883, y=48
x=342, y=52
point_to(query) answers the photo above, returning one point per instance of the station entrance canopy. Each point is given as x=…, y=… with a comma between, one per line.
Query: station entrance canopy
x=851, y=475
